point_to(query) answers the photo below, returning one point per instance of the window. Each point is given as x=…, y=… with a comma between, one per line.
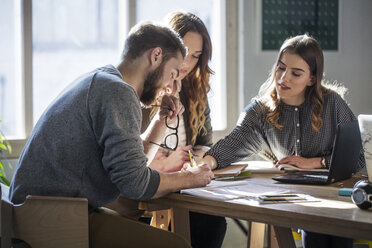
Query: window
x=46, y=44
x=75, y=41
x=10, y=80
x=70, y=43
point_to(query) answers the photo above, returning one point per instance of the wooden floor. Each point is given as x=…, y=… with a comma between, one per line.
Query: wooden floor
x=234, y=236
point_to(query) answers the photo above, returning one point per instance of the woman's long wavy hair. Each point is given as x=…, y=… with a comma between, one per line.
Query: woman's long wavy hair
x=309, y=50
x=196, y=83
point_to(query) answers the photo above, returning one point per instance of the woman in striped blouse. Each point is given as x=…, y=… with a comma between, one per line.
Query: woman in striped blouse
x=293, y=120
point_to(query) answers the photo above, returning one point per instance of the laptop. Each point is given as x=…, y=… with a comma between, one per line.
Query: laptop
x=344, y=160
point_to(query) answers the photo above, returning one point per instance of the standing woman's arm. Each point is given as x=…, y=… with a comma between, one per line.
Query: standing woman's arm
x=246, y=138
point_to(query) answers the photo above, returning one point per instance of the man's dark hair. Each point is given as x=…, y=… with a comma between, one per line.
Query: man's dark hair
x=147, y=35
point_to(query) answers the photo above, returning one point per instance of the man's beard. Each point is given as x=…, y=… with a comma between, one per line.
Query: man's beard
x=151, y=85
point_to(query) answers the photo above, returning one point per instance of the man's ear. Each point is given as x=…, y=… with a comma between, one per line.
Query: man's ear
x=156, y=56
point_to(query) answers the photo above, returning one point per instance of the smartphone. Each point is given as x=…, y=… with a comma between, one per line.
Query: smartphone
x=281, y=197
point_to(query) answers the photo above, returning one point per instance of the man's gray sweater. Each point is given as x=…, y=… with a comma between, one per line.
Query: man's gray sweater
x=87, y=144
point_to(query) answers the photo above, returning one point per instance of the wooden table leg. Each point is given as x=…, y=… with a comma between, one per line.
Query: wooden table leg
x=256, y=234
x=271, y=238
x=284, y=237
x=181, y=223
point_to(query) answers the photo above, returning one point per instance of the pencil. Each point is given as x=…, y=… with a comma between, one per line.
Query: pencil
x=191, y=158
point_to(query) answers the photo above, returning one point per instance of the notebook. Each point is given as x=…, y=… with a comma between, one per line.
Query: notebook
x=344, y=160
x=232, y=170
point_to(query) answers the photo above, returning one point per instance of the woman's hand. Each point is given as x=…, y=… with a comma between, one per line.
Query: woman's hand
x=176, y=88
x=301, y=162
x=170, y=107
x=199, y=152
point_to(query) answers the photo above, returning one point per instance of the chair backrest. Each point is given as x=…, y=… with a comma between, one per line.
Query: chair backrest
x=6, y=217
x=43, y=221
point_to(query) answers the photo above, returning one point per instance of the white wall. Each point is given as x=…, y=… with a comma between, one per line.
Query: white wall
x=351, y=64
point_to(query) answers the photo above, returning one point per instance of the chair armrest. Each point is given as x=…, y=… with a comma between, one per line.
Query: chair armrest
x=45, y=220
x=126, y=207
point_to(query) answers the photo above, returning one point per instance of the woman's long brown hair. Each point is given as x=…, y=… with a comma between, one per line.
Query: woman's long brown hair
x=309, y=50
x=196, y=83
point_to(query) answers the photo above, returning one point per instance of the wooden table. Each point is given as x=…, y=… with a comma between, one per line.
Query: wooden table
x=332, y=214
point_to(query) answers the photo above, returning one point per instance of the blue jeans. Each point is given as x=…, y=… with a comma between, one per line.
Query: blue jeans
x=318, y=240
x=207, y=230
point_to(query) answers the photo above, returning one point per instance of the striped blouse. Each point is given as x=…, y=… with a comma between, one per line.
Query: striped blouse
x=254, y=135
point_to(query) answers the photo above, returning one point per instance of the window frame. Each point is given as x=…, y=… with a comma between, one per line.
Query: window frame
x=128, y=6
x=233, y=82
x=25, y=66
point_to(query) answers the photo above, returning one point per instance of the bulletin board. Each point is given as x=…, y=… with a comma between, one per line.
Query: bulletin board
x=285, y=18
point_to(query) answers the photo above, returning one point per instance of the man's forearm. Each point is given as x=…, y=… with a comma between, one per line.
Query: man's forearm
x=172, y=182
x=198, y=176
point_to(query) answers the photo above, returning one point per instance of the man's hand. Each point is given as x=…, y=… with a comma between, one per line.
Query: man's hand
x=200, y=175
x=301, y=162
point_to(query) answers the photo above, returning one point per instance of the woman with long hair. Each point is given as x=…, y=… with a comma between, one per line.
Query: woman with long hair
x=194, y=130
x=192, y=86
x=293, y=120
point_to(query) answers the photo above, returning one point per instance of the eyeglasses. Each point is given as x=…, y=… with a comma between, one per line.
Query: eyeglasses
x=171, y=140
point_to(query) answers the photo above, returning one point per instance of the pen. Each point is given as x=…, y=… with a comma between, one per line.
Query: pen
x=192, y=161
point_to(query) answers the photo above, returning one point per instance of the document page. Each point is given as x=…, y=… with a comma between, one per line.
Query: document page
x=228, y=191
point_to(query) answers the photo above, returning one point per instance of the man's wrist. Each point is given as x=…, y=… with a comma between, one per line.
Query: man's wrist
x=185, y=178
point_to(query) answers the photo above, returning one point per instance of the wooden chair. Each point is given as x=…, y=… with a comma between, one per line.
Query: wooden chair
x=161, y=219
x=43, y=221
x=134, y=210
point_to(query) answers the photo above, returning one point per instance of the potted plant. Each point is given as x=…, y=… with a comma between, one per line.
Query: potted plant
x=4, y=146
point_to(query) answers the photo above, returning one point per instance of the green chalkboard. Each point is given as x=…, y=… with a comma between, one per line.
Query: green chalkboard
x=285, y=18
